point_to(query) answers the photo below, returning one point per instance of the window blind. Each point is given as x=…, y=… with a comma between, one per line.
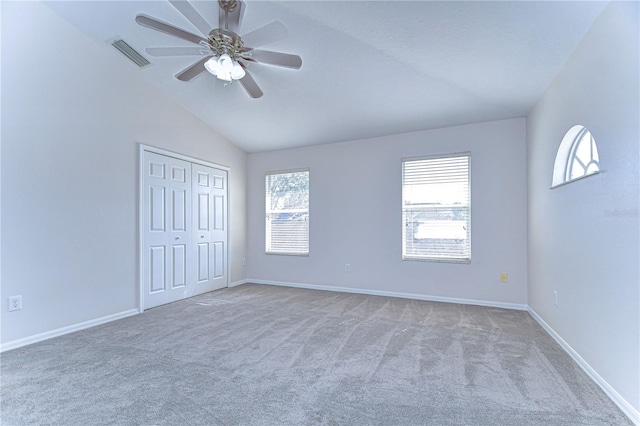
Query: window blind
x=436, y=208
x=287, y=213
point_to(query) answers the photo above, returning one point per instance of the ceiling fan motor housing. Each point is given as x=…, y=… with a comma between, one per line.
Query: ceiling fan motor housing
x=224, y=41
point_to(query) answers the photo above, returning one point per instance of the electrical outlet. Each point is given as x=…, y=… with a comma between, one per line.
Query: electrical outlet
x=347, y=267
x=244, y=262
x=15, y=303
x=504, y=277
x=555, y=297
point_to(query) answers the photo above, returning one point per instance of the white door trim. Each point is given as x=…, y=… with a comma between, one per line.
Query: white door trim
x=142, y=148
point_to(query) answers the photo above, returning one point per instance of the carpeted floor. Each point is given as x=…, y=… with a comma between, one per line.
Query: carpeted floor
x=263, y=355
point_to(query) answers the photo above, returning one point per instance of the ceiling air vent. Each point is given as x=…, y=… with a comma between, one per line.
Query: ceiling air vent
x=130, y=53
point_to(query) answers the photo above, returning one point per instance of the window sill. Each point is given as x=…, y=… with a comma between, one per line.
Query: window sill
x=278, y=253
x=575, y=179
x=437, y=260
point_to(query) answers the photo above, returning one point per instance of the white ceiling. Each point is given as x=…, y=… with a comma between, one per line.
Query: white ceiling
x=370, y=68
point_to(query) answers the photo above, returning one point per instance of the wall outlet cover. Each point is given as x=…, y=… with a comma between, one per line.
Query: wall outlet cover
x=15, y=303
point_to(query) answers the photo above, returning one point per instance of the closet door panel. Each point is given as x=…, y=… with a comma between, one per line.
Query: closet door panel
x=210, y=189
x=166, y=224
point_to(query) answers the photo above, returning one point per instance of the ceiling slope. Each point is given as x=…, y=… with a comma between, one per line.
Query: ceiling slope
x=370, y=68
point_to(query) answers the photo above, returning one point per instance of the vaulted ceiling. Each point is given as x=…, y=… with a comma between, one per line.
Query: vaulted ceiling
x=370, y=68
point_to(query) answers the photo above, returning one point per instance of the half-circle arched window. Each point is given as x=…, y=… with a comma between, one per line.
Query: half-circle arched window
x=577, y=156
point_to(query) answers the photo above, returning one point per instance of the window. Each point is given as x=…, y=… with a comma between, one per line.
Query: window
x=577, y=157
x=436, y=208
x=287, y=212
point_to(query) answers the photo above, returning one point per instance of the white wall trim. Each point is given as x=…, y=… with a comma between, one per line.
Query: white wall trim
x=627, y=409
x=14, y=344
x=515, y=306
x=239, y=282
x=179, y=156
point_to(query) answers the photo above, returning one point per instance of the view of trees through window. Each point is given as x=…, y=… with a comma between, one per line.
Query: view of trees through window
x=287, y=212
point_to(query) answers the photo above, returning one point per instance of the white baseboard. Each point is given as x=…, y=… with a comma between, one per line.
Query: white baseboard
x=516, y=306
x=14, y=344
x=239, y=282
x=627, y=409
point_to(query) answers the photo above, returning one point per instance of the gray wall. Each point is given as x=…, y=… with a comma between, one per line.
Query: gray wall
x=73, y=114
x=355, y=218
x=584, y=236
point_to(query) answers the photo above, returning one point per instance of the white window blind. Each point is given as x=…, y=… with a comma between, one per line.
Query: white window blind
x=287, y=212
x=436, y=208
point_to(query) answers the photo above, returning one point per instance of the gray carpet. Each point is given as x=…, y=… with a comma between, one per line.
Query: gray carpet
x=262, y=355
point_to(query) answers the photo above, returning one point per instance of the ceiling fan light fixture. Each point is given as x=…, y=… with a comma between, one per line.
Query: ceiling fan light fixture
x=212, y=65
x=225, y=68
x=225, y=63
x=237, y=72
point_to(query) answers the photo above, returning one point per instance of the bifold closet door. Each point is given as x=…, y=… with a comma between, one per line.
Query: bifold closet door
x=167, y=228
x=184, y=229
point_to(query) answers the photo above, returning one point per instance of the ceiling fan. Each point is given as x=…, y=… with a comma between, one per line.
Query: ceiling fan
x=224, y=53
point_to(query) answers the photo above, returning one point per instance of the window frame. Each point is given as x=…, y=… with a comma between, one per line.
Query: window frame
x=438, y=259
x=573, y=156
x=567, y=154
x=268, y=212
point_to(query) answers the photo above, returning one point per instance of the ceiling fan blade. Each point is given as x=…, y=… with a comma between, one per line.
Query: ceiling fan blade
x=193, y=70
x=276, y=58
x=163, y=27
x=231, y=20
x=266, y=34
x=189, y=12
x=177, y=51
x=250, y=85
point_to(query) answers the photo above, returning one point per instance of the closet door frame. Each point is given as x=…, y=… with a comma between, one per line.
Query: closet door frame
x=141, y=191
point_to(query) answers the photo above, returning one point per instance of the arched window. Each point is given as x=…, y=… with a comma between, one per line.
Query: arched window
x=577, y=156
